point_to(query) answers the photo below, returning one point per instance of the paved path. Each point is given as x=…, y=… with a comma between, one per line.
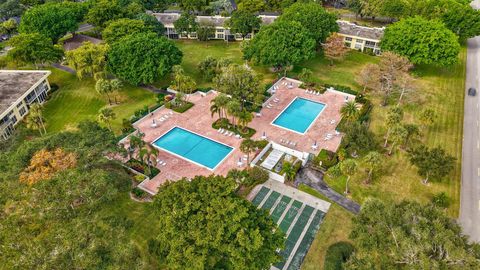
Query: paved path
x=470, y=189
x=64, y=68
x=314, y=179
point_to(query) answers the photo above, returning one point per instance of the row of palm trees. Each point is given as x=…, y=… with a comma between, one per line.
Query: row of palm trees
x=226, y=107
x=146, y=152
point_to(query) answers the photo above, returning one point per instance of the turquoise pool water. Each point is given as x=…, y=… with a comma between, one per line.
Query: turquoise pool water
x=193, y=147
x=299, y=115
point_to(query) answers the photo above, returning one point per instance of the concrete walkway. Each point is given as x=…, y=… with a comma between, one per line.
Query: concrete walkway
x=314, y=179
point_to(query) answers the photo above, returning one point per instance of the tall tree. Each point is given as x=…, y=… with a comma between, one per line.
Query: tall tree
x=88, y=60
x=33, y=48
x=250, y=239
x=103, y=87
x=398, y=135
x=408, y=235
x=431, y=163
x=186, y=24
x=193, y=5
x=103, y=11
x=391, y=69
x=348, y=167
x=233, y=109
x=243, y=22
x=248, y=146
x=148, y=154
x=149, y=57
x=369, y=77
x=105, y=116
x=413, y=132
x=151, y=22
x=280, y=44
x=412, y=39
x=53, y=20
x=241, y=83
x=182, y=82
x=334, y=48
x=251, y=6
x=244, y=117
x=394, y=117
x=10, y=8
x=205, y=31
x=374, y=161
x=319, y=23
x=219, y=105
x=120, y=28
x=35, y=119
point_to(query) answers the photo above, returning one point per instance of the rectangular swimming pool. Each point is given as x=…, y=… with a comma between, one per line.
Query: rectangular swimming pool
x=299, y=115
x=193, y=147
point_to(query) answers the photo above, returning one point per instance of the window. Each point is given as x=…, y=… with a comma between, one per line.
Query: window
x=22, y=111
x=360, y=41
x=248, y=36
x=19, y=105
x=348, y=39
x=220, y=30
x=193, y=35
x=370, y=44
x=13, y=119
x=220, y=36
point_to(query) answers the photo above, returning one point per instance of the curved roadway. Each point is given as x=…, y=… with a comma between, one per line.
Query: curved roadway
x=470, y=190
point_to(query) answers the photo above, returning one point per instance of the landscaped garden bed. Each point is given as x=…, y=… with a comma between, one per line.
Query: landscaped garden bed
x=245, y=132
x=141, y=167
x=179, y=107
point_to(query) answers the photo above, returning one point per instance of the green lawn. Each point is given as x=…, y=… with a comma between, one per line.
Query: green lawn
x=441, y=89
x=77, y=100
x=335, y=227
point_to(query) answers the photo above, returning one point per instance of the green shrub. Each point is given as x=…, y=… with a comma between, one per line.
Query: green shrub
x=180, y=108
x=261, y=144
x=256, y=176
x=337, y=255
x=141, y=167
x=327, y=158
x=441, y=200
x=225, y=124
x=138, y=193
x=139, y=178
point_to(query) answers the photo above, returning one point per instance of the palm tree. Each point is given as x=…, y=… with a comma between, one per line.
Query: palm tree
x=373, y=160
x=244, y=117
x=115, y=85
x=106, y=115
x=233, y=108
x=103, y=87
x=248, y=146
x=219, y=104
x=148, y=154
x=136, y=142
x=348, y=167
x=288, y=169
x=35, y=119
x=350, y=111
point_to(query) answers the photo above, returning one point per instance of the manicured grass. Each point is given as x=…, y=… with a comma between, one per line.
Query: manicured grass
x=335, y=227
x=441, y=89
x=77, y=100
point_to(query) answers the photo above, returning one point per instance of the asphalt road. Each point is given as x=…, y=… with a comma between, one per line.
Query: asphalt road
x=470, y=191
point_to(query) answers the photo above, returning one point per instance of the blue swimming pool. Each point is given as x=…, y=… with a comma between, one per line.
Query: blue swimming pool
x=193, y=147
x=299, y=115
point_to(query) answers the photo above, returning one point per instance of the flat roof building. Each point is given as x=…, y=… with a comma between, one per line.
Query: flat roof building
x=362, y=38
x=18, y=90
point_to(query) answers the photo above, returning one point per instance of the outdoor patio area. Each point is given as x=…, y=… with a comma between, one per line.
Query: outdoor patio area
x=197, y=119
x=320, y=135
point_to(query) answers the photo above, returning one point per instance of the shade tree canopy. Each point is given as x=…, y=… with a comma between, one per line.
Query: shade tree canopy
x=280, y=44
x=120, y=28
x=53, y=20
x=149, y=57
x=33, y=49
x=186, y=23
x=88, y=60
x=152, y=22
x=317, y=21
x=216, y=229
x=103, y=11
x=408, y=235
x=243, y=22
x=422, y=41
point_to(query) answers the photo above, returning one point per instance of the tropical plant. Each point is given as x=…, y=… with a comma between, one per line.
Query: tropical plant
x=373, y=160
x=219, y=104
x=394, y=117
x=248, y=146
x=350, y=111
x=88, y=60
x=233, y=109
x=103, y=87
x=348, y=167
x=148, y=154
x=244, y=117
x=106, y=116
x=35, y=120
x=288, y=169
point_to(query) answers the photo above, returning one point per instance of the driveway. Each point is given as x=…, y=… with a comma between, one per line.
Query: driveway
x=470, y=191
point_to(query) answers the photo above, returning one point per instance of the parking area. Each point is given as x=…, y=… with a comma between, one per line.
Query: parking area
x=297, y=214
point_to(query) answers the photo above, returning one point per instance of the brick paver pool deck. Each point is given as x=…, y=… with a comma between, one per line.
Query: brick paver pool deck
x=199, y=120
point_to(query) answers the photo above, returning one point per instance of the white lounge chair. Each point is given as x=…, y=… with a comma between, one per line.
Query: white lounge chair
x=317, y=93
x=219, y=130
